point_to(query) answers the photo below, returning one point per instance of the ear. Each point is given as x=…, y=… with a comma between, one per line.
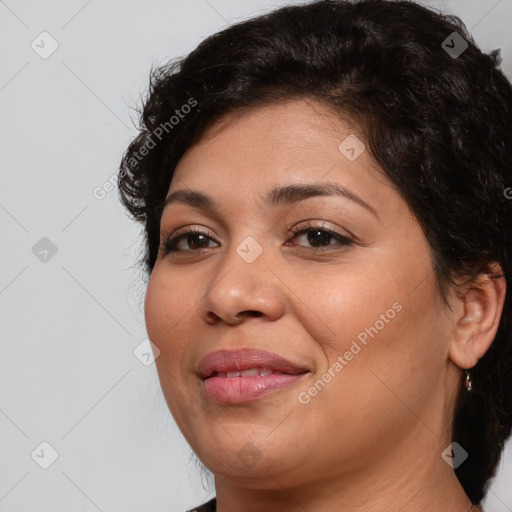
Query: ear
x=477, y=313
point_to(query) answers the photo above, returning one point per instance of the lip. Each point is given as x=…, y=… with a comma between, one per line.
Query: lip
x=244, y=389
x=245, y=359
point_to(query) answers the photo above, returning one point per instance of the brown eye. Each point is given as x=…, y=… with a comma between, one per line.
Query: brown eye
x=194, y=239
x=320, y=237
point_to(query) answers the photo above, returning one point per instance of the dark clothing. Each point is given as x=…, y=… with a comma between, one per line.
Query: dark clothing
x=211, y=506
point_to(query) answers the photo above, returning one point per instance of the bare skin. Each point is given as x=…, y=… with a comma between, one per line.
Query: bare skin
x=371, y=439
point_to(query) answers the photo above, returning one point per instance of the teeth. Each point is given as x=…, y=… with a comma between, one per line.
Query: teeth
x=251, y=372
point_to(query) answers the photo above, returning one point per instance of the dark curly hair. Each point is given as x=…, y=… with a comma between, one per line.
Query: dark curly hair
x=436, y=116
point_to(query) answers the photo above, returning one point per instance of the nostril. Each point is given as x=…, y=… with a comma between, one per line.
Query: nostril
x=212, y=318
x=251, y=312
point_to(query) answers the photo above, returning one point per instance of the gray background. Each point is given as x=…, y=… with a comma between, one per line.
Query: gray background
x=71, y=320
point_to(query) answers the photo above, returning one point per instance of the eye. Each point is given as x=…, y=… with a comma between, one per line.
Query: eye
x=319, y=236
x=194, y=238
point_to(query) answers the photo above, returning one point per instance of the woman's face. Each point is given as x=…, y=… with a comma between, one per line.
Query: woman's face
x=349, y=301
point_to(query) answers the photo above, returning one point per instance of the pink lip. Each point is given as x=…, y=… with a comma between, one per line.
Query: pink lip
x=244, y=389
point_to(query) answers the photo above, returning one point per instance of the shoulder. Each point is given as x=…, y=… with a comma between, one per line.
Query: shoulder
x=210, y=506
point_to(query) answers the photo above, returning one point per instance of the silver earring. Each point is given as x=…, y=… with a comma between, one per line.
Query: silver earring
x=469, y=384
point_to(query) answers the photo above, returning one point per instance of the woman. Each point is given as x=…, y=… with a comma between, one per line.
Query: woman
x=324, y=196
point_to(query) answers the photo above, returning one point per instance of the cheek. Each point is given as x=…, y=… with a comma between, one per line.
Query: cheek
x=155, y=306
x=391, y=352
x=166, y=306
x=383, y=321
x=386, y=292
x=165, y=311
x=357, y=304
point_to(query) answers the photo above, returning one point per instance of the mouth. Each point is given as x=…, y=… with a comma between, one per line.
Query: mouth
x=237, y=376
x=251, y=372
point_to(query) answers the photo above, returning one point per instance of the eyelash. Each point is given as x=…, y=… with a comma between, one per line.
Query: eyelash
x=170, y=245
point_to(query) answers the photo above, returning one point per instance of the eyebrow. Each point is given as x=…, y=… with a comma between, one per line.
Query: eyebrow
x=284, y=195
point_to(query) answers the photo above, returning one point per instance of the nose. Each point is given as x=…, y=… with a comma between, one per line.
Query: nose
x=239, y=290
x=228, y=318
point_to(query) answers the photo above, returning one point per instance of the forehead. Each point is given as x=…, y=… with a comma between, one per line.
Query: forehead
x=298, y=139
